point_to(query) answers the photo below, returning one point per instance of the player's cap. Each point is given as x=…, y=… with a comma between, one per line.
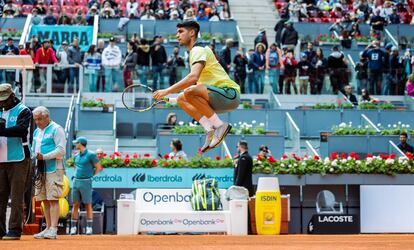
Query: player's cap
x=5, y=91
x=82, y=140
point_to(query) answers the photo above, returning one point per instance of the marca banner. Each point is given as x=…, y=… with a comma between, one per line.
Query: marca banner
x=60, y=33
x=157, y=177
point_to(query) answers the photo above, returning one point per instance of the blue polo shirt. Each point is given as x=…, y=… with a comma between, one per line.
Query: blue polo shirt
x=85, y=164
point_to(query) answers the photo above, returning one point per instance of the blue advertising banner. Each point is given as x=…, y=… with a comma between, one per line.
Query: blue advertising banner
x=157, y=177
x=60, y=33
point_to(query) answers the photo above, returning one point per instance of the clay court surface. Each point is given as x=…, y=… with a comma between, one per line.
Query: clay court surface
x=216, y=242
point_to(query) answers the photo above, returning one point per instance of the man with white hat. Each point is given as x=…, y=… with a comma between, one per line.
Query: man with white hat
x=15, y=120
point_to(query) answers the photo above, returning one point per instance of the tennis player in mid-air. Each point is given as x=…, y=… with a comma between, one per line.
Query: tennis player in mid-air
x=208, y=89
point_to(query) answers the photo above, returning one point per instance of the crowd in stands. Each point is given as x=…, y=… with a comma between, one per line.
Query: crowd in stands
x=82, y=12
x=360, y=11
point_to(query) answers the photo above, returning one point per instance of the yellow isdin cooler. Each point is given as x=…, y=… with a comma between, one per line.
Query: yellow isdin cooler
x=268, y=206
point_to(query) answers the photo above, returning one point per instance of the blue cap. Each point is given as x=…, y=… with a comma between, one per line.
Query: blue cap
x=388, y=46
x=81, y=140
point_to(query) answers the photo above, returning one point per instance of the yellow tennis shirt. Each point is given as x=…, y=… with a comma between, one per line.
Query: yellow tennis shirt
x=213, y=73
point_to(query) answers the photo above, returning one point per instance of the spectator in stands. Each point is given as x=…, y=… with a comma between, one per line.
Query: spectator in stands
x=264, y=151
x=160, y=15
x=147, y=9
x=90, y=16
x=148, y=16
x=174, y=15
x=290, y=72
x=361, y=69
x=250, y=73
x=10, y=9
x=171, y=120
x=143, y=60
x=274, y=63
x=41, y=9
x=225, y=12
x=395, y=81
x=319, y=65
x=35, y=18
x=175, y=64
x=348, y=94
x=100, y=84
x=214, y=17
x=378, y=22
x=338, y=69
x=130, y=63
x=345, y=23
x=22, y=50
x=79, y=18
x=111, y=61
x=62, y=56
x=407, y=62
x=261, y=38
x=394, y=18
x=49, y=19
x=132, y=8
x=305, y=69
x=404, y=146
x=409, y=86
x=107, y=12
x=10, y=48
x=177, y=150
x=289, y=35
x=310, y=52
x=189, y=16
x=159, y=61
x=92, y=62
x=225, y=55
x=75, y=59
x=363, y=7
x=202, y=16
x=278, y=29
x=95, y=3
x=64, y=19
x=44, y=55
x=240, y=63
x=365, y=97
x=376, y=62
x=323, y=5
x=355, y=32
x=294, y=9
x=258, y=64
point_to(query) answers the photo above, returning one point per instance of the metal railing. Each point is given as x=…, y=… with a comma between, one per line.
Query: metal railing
x=240, y=36
x=391, y=37
x=225, y=150
x=26, y=30
x=311, y=149
x=293, y=133
x=69, y=130
x=341, y=97
x=394, y=149
x=365, y=121
x=95, y=29
x=274, y=101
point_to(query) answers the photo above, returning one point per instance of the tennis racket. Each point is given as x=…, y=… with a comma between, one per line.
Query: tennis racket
x=138, y=98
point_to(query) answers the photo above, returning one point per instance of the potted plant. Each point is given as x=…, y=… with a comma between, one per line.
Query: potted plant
x=97, y=104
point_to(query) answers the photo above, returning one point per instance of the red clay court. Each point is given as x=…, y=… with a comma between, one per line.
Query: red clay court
x=308, y=242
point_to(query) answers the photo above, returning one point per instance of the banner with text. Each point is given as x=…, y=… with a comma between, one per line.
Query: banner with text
x=157, y=177
x=60, y=33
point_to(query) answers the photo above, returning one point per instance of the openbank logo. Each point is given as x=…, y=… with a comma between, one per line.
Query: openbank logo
x=138, y=177
x=224, y=178
x=142, y=177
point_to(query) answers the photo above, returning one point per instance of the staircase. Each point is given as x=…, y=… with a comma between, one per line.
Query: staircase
x=103, y=139
x=253, y=15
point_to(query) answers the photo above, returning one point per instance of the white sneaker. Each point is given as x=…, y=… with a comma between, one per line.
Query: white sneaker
x=209, y=138
x=73, y=230
x=51, y=234
x=41, y=235
x=219, y=134
x=89, y=231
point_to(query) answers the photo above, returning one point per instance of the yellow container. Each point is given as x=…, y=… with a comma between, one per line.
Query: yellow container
x=268, y=207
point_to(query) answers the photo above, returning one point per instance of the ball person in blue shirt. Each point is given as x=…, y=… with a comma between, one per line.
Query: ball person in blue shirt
x=86, y=166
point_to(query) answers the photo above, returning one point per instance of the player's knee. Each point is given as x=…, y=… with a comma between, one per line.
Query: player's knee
x=190, y=92
x=181, y=99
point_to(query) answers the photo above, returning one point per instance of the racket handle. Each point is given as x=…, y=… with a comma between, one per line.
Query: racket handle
x=172, y=100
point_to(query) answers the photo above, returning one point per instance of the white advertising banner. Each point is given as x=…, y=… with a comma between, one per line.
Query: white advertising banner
x=387, y=208
x=183, y=222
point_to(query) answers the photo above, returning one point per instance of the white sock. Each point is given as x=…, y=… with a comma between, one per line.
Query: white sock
x=215, y=120
x=206, y=123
